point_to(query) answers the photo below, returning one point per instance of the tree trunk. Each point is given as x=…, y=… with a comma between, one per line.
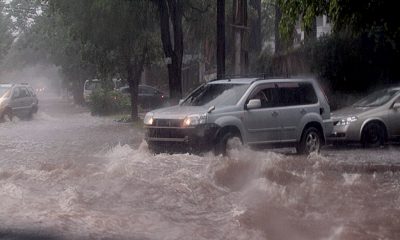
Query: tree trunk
x=133, y=90
x=77, y=91
x=278, y=41
x=171, y=12
x=310, y=35
x=221, y=39
x=134, y=72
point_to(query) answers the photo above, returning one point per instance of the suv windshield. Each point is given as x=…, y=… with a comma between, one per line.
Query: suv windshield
x=3, y=90
x=216, y=95
x=377, y=98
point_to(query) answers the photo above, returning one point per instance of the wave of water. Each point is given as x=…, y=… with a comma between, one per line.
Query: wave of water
x=78, y=189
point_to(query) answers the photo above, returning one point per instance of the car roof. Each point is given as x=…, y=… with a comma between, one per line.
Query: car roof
x=10, y=85
x=140, y=85
x=261, y=80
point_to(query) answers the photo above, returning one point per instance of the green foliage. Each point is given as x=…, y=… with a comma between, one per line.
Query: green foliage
x=379, y=19
x=305, y=10
x=6, y=37
x=353, y=63
x=107, y=102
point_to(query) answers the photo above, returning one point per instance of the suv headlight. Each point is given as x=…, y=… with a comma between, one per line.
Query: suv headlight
x=346, y=121
x=2, y=102
x=148, y=119
x=194, y=120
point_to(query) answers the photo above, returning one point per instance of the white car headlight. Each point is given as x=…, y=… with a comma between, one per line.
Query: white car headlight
x=148, y=119
x=346, y=121
x=194, y=120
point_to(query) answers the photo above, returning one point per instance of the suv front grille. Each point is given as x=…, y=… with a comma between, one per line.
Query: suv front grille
x=167, y=123
x=166, y=133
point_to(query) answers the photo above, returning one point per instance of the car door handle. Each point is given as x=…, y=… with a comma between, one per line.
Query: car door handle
x=275, y=114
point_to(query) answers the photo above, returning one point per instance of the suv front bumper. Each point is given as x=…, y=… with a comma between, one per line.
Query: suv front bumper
x=178, y=139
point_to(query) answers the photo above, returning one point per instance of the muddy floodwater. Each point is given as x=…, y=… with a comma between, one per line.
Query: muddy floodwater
x=68, y=175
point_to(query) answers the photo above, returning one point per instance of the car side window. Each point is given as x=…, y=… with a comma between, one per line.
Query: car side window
x=16, y=93
x=294, y=94
x=23, y=93
x=268, y=95
x=147, y=90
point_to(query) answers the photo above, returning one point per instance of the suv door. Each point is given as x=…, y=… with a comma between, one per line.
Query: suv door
x=296, y=100
x=263, y=124
x=394, y=121
x=27, y=100
x=16, y=103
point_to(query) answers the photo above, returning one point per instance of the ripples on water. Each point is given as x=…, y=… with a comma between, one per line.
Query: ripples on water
x=124, y=192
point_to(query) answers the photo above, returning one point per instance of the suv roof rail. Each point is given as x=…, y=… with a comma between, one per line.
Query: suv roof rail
x=259, y=76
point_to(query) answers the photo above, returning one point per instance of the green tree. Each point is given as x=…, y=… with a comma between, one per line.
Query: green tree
x=117, y=36
x=6, y=36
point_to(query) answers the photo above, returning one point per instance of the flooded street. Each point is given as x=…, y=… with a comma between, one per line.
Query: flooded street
x=68, y=175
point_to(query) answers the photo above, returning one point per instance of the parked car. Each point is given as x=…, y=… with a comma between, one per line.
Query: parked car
x=17, y=100
x=149, y=97
x=372, y=121
x=259, y=112
x=88, y=88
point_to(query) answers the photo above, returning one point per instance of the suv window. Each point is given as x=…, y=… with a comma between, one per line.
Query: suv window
x=268, y=94
x=24, y=93
x=32, y=92
x=294, y=94
x=16, y=93
x=219, y=94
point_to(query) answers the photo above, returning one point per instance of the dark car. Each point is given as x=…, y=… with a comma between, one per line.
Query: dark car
x=149, y=97
x=17, y=100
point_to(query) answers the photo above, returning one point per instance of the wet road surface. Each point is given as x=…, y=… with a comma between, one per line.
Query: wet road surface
x=68, y=175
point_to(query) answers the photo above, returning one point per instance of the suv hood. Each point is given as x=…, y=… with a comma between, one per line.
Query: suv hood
x=178, y=112
x=350, y=111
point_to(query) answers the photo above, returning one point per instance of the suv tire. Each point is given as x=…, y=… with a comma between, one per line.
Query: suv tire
x=222, y=144
x=9, y=114
x=311, y=141
x=373, y=135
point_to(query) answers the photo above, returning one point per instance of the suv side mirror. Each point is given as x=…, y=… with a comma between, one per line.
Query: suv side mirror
x=396, y=106
x=254, y=104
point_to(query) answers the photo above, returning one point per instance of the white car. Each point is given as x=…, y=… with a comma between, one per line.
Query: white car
x=89, y=87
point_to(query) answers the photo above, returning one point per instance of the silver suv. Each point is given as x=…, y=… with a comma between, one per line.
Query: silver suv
x=259, y=112
x=17, y=100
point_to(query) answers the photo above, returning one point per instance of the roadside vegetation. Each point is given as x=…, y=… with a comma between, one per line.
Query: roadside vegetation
x=108, y=102
x=190, y=41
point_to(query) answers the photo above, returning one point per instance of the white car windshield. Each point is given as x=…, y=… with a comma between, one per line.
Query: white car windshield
x=92, y=85
x=3, y=90
x=377, y=98
x=216, y=95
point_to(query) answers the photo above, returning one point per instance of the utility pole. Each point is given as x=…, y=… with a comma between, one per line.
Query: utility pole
x=240, y=29
x=220, y=39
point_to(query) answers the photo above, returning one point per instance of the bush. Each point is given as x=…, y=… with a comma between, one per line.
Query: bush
x=353, y=64
x=106, y=102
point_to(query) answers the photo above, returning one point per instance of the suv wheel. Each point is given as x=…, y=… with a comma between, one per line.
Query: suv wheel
x=8, y=115
x=310, y=141
x=373, y=135
x=227, y=142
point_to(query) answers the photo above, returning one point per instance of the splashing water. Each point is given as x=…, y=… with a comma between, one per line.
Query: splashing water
x=90, y=178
